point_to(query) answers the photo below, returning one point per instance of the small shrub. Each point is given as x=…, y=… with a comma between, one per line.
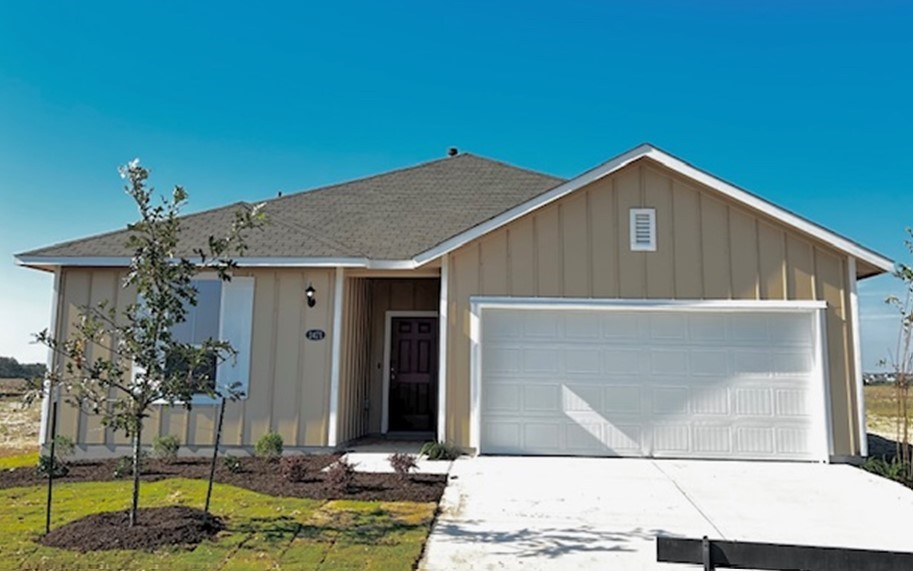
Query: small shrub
x=294, y=468
x=232, y=464
x=439, y=451
x=269, y=446
x=892, y=469
x=47, y=463
x=165, y=447
x=64, y=447
x=340, y=475
x=402, y=464
x=124, y=466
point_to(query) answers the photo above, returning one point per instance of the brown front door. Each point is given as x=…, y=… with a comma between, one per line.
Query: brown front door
x=413, y=374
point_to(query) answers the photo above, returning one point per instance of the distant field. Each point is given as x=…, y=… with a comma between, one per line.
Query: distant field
x=881, y=409
x=18, y=425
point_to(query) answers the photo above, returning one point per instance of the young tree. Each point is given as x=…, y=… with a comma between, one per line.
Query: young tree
x=143, y=363
x=901, y=360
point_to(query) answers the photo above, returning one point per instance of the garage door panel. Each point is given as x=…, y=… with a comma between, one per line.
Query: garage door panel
x=542, y=398
x=709, y=401
x=670, y=401
x=655, y=383
x=621, y=398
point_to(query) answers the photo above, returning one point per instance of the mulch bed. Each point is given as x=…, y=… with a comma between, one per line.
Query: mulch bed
x=258, y=474
x=155, y=527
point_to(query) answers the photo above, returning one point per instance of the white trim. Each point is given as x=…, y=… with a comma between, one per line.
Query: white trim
x=636, y=246
x=822, y=368
x=388, y=329
x=335, y=358
x=857, y=357
x=236, y=325
x=681, y=167
x=475, y=375
x=442, y=350
x=645, y=304
x=46, y=392
x=264, y=262
x=815, y=310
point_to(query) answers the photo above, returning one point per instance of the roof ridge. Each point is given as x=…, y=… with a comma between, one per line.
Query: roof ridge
x=126, y=228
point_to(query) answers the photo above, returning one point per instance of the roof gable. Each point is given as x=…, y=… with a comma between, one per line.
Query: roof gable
x=726, y=189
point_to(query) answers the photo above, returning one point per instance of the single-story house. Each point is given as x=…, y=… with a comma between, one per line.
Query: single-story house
x=642, y=308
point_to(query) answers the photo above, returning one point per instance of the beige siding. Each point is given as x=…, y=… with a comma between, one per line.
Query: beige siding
x=355, y=375
x=707, y=248
x=289, y=378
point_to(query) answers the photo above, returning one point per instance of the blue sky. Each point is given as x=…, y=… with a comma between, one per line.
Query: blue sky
x=808, y=106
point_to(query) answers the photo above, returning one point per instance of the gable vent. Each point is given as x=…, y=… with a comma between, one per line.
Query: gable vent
x=643, y=229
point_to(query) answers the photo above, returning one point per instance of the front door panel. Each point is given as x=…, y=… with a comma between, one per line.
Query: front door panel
x=413, y=374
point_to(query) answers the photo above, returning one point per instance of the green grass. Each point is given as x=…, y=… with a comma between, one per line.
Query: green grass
x=19, y=460
x=263, y=532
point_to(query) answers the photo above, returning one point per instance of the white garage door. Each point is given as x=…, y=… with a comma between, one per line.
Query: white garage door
x=661, y=381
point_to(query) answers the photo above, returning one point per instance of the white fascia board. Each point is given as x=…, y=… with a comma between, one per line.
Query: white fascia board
x=264, y=262
x=681, y=167
x=590, y=304
x=391, y=264
x=115, y=261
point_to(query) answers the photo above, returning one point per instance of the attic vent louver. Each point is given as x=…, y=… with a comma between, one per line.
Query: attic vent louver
x=643, y=230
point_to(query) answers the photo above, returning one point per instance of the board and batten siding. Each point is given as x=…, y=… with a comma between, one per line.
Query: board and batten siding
x=708, y=247
x=289, y=377
x=354, y=376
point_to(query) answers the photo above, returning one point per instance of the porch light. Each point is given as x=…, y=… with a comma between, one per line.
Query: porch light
x=309, y=292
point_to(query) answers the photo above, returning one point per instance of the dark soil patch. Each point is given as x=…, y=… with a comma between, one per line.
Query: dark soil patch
x=155, y=527
x=882, y=447
x=259, y=475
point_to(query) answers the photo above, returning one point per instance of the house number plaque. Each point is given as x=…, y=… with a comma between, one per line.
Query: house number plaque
x=315, y=334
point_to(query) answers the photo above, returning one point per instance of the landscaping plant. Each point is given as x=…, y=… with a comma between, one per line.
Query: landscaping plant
x=901, y=361
x=232, y=464
x=54, y=465
x=269, y=446
x=402, y=464
x=439, y=451
x=339, y=476
x=294, y=468
x=118, y=363
x=166, y=447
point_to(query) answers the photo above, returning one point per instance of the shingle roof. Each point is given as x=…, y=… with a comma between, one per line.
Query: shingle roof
x=390, y=216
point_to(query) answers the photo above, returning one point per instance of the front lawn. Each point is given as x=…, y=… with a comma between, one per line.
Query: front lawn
x=263, y=532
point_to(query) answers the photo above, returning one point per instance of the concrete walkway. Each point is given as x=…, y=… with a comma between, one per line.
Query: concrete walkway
x=590, y=513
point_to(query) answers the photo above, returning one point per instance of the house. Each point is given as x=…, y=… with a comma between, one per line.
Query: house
x=642, y=308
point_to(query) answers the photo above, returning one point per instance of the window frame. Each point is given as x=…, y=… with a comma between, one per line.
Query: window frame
x=236, y=326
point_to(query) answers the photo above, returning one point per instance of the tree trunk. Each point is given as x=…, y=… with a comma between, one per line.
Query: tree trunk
x=137, y=438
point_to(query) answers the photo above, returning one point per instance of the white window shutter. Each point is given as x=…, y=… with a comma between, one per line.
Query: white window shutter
x=236, y=327
x=643, y=229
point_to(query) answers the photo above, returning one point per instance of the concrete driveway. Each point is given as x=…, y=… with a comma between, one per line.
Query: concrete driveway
x=592, y=513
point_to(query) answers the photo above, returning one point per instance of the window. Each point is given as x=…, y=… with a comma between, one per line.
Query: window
x=643, y=230
x=224, y=311
x=202, y=323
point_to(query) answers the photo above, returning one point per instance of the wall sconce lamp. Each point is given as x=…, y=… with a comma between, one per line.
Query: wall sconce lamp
x=309, y=292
